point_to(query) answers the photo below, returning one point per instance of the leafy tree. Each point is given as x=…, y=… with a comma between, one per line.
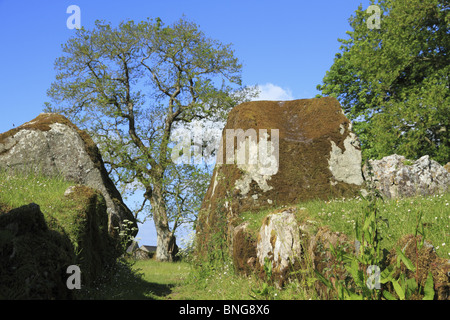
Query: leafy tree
x=393, y=82
x=131, y=87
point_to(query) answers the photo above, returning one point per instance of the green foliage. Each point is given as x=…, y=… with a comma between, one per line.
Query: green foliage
x=192, y=281
x=126, y=231
x=364, y=266
x=402, y=216
x=215, y=253
x=266, y=291
x=393, y=82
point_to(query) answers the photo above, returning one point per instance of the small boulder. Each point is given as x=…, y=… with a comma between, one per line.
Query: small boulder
x=279, y=242
x=425, y=260
x=243, y=249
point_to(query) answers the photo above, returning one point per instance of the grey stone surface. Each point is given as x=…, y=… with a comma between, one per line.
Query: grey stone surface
x=395, y=176
x=279, y=241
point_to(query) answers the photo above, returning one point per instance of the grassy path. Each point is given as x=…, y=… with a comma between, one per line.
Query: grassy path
x=176, y=281
x=162, y=277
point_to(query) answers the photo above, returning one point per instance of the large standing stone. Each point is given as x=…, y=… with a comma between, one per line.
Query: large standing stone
x=52, y=145
x=318, y=155
x=395, y=176
x=279, y=153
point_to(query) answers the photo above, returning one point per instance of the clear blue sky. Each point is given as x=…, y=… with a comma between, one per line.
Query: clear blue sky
x=285, y=46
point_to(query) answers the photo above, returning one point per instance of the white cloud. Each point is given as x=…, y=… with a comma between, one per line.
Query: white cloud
x=273, y=92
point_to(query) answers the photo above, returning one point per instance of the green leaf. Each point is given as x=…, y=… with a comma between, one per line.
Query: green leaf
x=429, y=288
x=405, y=260
x=368, y=221
x=411, y=286
x=357, y=231
x=353, y=269
x=324, y=280
x=388, y=295
x=354, y=296
x=332, y=250
x=386, y=275
x=398, y=289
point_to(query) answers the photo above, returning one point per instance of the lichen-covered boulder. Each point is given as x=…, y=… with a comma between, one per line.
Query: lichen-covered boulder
x=52, y=145
x=395, y=176
x=279, y=153
x=302, y=149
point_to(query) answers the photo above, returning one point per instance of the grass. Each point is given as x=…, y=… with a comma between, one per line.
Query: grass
x=224, y=284
x=150, y=279
x=163, y=276
x=138, y=280
x=48, y=192
x=401, y=215
x=20, y=189
x=340, y=215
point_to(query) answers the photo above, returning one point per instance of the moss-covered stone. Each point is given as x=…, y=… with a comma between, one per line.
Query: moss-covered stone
x=37, y=248
x=244, y=250
x=95, y=248
x=314, y=138
x=33, y=257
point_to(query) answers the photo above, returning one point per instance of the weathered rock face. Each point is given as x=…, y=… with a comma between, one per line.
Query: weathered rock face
x=395, y=176
x=52, y=145
x=279, y=242
x=279, y=153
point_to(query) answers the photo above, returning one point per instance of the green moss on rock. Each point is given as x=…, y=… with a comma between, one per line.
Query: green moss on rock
x=37, y=248
x=33, y=258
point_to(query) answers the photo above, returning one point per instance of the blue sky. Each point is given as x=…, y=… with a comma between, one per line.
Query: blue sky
x=285, y=46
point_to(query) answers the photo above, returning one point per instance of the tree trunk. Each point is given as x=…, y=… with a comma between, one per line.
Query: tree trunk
x=166, y=247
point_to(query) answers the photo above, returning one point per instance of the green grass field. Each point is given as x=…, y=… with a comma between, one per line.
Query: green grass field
x=149, y=279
